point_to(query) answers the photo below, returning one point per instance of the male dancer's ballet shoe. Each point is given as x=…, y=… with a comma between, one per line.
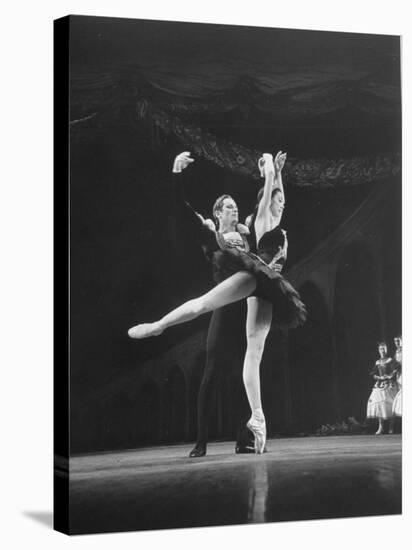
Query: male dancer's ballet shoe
x=198, y=451
x=145, y=330
x=247, y=449
x=258, y=428
x=244, y=449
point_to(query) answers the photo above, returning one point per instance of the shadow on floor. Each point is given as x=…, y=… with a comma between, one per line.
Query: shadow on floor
x=44, y=518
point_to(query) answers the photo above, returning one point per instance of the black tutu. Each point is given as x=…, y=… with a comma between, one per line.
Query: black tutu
x=288, y=311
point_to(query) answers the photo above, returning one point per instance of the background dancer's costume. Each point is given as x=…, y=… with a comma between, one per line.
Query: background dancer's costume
x=381, y=399
x=397, y=402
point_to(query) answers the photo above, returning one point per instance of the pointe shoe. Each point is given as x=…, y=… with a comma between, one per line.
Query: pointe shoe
x=144, y=330
x=258, y=428
x=379, y=432
x=198, y=451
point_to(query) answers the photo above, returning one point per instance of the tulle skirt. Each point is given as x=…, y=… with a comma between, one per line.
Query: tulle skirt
x=288, y=311
x=381, y=401
x=397, y=404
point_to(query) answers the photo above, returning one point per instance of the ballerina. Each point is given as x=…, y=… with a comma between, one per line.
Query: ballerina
x=270, y=243
x=241, y=273
x=381, y=399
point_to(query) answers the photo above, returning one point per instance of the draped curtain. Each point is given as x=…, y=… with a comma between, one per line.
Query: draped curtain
x=166, y=102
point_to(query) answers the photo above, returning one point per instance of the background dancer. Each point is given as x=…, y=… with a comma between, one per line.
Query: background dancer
x=381, y=399
x=397, y=402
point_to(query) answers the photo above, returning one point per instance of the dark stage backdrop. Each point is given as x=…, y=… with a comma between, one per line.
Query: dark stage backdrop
x=138, y=91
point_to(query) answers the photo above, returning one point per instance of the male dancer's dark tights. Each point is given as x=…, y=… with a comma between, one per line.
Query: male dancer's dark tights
x=225, y=343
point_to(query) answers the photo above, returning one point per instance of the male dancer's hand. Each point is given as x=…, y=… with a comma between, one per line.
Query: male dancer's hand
x=182, y=161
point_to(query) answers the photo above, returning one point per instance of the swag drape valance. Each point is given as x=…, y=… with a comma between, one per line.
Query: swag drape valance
x=136, y=99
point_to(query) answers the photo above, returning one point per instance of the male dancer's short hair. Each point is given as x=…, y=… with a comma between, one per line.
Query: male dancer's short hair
x=217, y=207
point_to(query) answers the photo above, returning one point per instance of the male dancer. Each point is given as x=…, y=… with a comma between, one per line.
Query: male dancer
x=225, y=327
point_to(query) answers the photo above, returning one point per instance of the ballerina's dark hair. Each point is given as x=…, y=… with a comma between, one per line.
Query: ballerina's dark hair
x=382, y=343
x=259, y=198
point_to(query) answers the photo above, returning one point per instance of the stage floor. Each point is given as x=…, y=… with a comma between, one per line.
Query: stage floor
x=297, y=479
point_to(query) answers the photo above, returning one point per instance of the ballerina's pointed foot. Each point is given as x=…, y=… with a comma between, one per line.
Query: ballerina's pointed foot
x=258, y=428
x=145, y=330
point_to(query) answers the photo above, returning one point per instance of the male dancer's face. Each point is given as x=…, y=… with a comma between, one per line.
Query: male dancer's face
x=228, y=216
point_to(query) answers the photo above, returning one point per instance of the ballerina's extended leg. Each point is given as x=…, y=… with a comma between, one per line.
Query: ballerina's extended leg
x=235, y=288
